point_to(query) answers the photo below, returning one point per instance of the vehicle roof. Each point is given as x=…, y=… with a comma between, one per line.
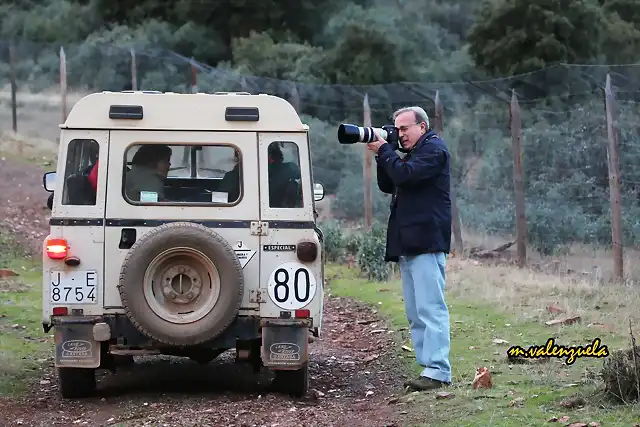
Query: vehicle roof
x=181, y=111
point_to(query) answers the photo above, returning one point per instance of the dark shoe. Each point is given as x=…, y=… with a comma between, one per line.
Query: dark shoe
x=424, y=384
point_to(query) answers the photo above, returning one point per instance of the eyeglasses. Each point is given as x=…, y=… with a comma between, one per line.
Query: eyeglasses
x=406, y=127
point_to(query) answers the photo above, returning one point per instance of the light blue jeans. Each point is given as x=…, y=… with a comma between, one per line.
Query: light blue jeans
x=423, y=283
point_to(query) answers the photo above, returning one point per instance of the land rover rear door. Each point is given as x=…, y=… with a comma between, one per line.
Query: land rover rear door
x=290, y=272
x=200, y=161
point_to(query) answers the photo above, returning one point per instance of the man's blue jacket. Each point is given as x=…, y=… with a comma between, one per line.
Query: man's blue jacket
x=420, y=219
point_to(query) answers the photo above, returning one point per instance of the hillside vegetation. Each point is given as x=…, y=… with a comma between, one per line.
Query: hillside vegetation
x=397, y=52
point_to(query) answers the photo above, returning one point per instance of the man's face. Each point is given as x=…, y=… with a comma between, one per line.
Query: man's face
x=163, y=167
x=409, y=131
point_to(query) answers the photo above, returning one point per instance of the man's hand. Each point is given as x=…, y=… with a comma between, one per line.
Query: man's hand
x=375, y=145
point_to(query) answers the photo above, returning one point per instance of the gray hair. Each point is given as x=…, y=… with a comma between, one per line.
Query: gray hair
x=418, y=112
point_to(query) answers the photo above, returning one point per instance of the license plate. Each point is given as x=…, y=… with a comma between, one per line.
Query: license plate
x=73, y=287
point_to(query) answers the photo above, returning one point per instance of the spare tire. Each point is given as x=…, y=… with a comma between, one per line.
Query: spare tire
x=181, y=284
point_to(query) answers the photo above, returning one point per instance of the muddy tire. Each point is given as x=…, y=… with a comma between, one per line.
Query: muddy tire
x=294, y=383
x=181, y=284
x=76, y=383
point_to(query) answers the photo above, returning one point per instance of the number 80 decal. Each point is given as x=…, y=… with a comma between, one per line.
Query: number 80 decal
x=291, y=286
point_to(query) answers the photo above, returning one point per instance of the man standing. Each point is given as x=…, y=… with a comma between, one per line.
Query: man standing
x=419, y=236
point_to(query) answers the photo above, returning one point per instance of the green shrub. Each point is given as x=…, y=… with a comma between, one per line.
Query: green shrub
x=371, y=252
x=349, y=201
x=333, y=240
x=351, y=243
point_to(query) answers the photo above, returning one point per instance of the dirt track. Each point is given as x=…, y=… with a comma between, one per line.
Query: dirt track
x=354, y=376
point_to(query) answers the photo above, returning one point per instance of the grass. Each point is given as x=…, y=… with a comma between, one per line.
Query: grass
x=505, y=303
x=39, y=113
x=591, y=262
x=39, y=152
x=38, y=119
x=23, y=345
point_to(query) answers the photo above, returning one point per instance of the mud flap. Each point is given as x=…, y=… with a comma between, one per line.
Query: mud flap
x=76, y=347
x=285, y=343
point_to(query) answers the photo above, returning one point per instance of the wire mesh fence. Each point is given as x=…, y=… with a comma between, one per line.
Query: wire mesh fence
x=564, y=131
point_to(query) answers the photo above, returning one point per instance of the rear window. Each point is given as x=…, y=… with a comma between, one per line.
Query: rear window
x=182, y=174
x=82, y=156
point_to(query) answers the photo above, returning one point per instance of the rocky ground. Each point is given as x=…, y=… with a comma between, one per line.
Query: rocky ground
x=355, y=376
x=354, y=381
x=23, y=201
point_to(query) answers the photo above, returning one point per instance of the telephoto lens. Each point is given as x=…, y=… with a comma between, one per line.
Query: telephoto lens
x=352, y=134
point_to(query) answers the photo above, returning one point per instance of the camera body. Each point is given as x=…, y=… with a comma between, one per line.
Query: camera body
x=352, y=134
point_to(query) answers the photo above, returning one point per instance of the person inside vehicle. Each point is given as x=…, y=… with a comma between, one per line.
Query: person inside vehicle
x=284, y=180
x=93, y=177
x=149, y=168
x=231, y=181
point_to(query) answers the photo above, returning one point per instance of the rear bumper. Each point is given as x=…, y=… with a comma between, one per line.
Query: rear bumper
x=118, y=329
x=123, y=333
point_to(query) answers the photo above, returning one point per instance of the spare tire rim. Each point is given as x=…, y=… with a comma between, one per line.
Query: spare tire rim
x=181, y=285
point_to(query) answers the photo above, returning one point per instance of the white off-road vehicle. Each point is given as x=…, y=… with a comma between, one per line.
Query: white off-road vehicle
x=185, y=225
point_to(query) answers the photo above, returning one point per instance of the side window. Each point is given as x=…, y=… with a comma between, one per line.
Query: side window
x=182, y=174
x=80, y=183
x=285, y=187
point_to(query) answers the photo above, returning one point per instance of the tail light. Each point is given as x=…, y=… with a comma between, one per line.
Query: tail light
x=302, y=314
x=60, y=311
x=57, y=248
x=307, y=251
